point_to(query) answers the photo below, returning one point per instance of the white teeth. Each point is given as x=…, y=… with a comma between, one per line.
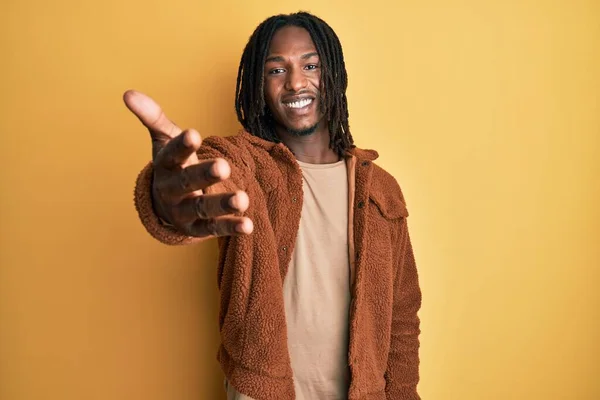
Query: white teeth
x=299, y=104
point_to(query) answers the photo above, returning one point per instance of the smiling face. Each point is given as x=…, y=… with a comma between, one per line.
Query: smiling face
x=292, y=78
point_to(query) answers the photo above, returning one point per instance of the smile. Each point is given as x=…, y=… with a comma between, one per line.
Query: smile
x=299, y=104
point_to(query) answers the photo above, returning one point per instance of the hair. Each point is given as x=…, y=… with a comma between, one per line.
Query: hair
x=250, y=105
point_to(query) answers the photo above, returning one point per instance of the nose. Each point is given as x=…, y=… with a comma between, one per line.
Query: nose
x=296, y=80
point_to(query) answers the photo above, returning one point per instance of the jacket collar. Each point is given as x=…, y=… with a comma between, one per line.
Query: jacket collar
x=363, y=154
x=360, y=154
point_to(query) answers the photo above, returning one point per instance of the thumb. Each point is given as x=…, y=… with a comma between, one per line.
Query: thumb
x=161, y=128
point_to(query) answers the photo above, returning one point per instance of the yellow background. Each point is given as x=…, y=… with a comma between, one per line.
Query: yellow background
x=487, y=112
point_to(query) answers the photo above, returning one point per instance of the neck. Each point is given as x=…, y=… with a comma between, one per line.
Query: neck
x=311, y=149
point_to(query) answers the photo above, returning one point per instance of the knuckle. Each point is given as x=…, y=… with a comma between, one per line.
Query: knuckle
x=161, y=194
x=158, y=195
x=224, y=203
x=185, y=181
x=212, y=227
x=200, y=207
x=159, y=185
x=159, y=151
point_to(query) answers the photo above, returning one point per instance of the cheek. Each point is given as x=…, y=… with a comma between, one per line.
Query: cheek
x=270, y=91
x=315, y=80
x=316, y=83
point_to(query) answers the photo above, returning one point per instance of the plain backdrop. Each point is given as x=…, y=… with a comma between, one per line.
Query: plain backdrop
x=487, y=113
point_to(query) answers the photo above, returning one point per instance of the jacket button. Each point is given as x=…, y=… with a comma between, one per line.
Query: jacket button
x=365, y=163
x=361, y=204
x=284, y=248
x=293, y=199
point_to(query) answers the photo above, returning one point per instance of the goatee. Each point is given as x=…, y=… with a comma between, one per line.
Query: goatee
x=303, y=132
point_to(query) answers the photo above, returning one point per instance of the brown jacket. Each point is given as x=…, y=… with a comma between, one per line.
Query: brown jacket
x=384, y=327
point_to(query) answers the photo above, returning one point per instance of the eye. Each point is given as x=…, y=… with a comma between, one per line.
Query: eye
x=312, y=66
x=275, y=71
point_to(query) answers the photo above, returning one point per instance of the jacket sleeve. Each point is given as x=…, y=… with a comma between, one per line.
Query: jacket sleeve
x=142, y=198
x=211, y=148
x=402, y=375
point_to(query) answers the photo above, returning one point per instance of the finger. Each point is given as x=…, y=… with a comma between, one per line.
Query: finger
x=152, y=116
x=180, y=151
x=210, y=206
x=150, y=113
x=221, y=226
x=177, y=185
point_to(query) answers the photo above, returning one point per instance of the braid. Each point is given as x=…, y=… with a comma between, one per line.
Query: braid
x=250, y=105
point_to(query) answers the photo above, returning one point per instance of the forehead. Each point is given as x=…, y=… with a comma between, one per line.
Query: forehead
x=291, y=39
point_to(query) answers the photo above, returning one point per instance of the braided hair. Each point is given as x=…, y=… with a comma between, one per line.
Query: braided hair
x=250, y=105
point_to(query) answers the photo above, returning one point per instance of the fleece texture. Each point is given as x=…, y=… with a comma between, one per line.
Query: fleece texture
x=384, y=326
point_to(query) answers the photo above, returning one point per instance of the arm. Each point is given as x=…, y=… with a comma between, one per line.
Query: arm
x=402, y=373
x=185, y=194
x=153, y=220
x=157, y=227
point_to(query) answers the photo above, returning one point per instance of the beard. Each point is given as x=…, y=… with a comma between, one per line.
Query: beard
x=273, y=123
x=303, y=132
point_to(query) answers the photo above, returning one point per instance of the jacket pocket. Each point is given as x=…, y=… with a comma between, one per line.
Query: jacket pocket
x=391, y=207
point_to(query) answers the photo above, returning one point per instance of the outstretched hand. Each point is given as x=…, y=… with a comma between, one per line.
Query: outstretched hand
x=180, y=177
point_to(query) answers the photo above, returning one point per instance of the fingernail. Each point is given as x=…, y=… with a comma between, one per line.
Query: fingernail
x=220, y=169
x=191, y=138
x=245, y=227
x=233, y=202
x=214, y=170
x=240, y=227
x=239, y=201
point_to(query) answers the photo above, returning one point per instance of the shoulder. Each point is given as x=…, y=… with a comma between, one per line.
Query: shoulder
x=238, y=149
x=385, y=191
x=224, y=144
x=242, y=144
x=248, y=155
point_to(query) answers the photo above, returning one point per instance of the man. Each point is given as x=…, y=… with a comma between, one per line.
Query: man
x=319, y=288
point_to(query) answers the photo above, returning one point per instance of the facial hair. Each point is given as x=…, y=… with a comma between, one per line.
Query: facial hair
x=303, y=132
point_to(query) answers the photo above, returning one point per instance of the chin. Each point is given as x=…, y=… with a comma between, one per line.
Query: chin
x=302, y=131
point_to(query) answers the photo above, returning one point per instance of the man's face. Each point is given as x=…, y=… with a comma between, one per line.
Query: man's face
x=292, y=75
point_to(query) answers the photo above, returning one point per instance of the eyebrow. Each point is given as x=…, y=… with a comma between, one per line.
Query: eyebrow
x=281, y=59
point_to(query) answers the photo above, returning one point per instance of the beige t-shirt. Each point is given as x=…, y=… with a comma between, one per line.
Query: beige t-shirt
x=317, y=288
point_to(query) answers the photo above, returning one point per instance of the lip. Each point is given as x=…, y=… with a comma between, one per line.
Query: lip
x=298, y=111
x=297, y=98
